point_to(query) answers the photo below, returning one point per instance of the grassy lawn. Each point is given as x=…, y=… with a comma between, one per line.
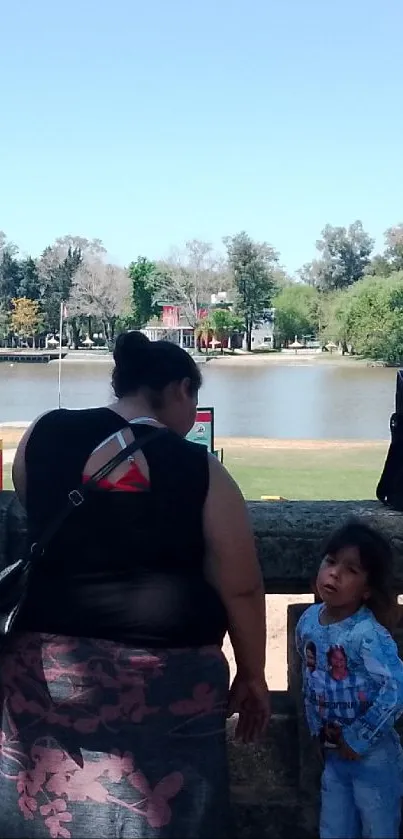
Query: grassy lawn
x=299, y=474
x=7, y=482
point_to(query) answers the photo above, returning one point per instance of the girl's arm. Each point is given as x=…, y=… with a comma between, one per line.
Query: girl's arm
x=379, y=656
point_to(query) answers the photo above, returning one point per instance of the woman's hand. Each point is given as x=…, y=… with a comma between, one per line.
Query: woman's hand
x=250, y=699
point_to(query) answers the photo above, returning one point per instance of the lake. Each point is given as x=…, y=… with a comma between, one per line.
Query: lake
x=274, y=400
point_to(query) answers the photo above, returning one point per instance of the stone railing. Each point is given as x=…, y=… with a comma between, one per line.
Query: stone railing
x=275, y=784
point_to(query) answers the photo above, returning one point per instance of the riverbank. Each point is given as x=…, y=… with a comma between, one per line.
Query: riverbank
x=300, y=358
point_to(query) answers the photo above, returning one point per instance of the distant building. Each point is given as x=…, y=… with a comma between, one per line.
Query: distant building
x=172, y=326
x=263, y=333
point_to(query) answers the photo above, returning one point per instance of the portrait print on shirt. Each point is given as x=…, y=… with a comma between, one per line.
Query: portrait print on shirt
x=337, y=663
x=335, y=692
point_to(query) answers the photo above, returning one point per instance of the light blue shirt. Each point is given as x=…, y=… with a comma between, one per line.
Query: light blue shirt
x=352, y=676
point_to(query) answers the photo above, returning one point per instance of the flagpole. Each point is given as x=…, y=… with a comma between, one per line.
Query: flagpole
x=60, y=353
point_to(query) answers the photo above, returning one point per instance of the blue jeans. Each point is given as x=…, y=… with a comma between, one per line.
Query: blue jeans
x=362, y=799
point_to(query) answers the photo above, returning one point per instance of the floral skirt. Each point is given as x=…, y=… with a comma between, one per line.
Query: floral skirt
x=103, y=740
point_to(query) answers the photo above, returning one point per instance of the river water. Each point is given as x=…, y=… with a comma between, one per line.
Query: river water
x=274, y=400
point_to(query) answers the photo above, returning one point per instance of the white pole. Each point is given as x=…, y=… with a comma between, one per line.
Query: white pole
x=60, y=353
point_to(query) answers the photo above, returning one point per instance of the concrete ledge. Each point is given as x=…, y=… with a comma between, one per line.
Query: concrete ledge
x=289, y=536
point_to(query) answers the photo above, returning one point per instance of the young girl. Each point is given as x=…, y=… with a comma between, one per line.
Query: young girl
x=356, y=696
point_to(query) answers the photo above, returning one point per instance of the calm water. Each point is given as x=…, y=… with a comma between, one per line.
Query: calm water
x=278, y=401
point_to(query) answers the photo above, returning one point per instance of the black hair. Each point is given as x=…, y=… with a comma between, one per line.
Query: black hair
x=376, y=557
x=310, y=648
x=140, y=363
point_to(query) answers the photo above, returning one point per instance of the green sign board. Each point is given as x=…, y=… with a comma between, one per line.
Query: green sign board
x=203, y=429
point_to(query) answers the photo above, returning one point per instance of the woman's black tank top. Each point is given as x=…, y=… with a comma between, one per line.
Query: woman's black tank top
x=125, y=566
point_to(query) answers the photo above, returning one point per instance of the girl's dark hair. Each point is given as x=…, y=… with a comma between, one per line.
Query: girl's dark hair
x=376, y=557
x=310, y=648
x=140, y=363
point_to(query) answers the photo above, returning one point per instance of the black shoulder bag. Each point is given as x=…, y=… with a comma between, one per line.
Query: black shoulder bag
x=14, y=579
x=390, y=487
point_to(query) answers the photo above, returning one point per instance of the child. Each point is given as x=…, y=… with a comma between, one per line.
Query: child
x=355, y=692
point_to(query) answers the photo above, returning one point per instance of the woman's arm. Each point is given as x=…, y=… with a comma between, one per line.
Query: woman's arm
x=19, y=470
x=233, y=569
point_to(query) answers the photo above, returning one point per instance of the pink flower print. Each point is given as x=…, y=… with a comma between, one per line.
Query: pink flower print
x=158, y=812
x=26, y=802
x=77, y=787
x=118, y=766
x=56, y=813
x=203, y=701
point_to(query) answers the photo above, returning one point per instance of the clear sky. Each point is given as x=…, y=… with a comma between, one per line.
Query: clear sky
x=149, y=123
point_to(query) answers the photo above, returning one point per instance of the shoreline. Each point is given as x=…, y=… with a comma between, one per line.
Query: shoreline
x=300, y=358
x=295, y=444
x=11, y=433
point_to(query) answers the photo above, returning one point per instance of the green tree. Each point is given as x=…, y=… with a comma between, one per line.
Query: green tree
x=4, y=323
x=370, y=317
x=56, y=274
x=394, y=247
x=345, y=254
x=252, y=265
x=222, y=325
x=10, y=277
x=334, y=326
x=30, y=283
x=379, y=266
x=202, y=332
x=145, y=285
x=296, y=312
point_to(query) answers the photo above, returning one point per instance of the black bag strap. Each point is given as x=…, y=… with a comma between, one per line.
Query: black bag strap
x=78, y=496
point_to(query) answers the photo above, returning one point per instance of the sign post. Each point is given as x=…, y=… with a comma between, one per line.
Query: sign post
x=203, y=429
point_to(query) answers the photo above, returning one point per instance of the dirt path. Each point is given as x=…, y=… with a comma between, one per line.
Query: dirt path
x=301, y=445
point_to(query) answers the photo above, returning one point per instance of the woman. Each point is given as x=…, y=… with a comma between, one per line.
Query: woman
x=115, y=689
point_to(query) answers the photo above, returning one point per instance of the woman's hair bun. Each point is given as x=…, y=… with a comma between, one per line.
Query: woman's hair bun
x=142, y=363
x=131, y=347
x=133, y=360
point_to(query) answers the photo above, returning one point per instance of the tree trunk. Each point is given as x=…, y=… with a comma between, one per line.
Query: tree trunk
x=75, y=333
x=249, y=337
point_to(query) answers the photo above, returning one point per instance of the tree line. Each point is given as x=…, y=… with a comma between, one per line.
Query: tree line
x=348, y=294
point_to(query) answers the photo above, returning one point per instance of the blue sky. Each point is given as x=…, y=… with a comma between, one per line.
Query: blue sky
x=149, y=123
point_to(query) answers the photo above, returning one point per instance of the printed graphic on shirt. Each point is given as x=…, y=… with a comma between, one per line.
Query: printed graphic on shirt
x=335, y=693
x=352, y=678
x=337, y=662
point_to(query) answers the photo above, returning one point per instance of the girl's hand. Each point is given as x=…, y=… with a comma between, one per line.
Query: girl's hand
x=251, y=700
